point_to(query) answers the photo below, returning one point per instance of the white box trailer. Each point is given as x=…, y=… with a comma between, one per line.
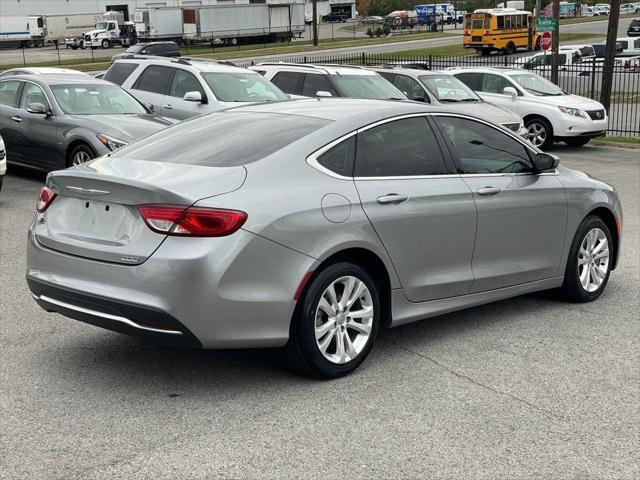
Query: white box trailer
x=21, y=31
x=61, y=27
x=232, y=24
x=163, y=23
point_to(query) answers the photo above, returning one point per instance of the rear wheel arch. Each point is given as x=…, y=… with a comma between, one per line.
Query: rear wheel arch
x=369, y=261
x=609, y=218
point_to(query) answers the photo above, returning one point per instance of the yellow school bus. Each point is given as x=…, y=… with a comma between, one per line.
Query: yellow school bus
x=500, y=29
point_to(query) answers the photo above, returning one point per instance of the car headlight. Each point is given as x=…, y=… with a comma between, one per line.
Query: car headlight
x=110, y=142
x=573, y=111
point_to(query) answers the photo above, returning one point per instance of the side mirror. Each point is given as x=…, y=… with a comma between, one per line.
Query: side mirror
x=194, y=96
x=510, y=91
x=37, y=108
x=323, y=93
x=150, y=107
x=545, y=161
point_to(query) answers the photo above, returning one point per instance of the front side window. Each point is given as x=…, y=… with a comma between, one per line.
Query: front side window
x=314, y=83
x=184, y=82
x=9, y=92
x=494, y=83
x=473, y=80
x=410, y=87
x=483, y=149
x=155, y=80
x=242, y=87
x=406, y=147
x=119, y=72
x=340, y=158
x=536, y=85
x=32, y=93
x=289, y=82
x=78, y=99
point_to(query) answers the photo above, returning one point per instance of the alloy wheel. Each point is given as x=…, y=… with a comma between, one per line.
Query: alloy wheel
x=536, y=133
x=344, y=319
x=80, y=157
x=593, y=259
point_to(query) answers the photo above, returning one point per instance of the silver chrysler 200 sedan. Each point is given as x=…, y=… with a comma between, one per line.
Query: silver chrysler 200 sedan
x=314, y=224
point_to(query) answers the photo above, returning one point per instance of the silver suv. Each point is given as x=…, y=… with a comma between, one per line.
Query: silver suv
x=183, y=88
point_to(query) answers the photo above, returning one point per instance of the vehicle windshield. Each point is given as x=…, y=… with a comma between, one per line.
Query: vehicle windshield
x=78, y=99
x=536, y=85
x=366, y=86
x=102, y=25
x=242, y=87
x=447, y=88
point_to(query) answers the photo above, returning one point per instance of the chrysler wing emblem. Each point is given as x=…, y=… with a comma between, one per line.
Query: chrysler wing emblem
x=88, y=191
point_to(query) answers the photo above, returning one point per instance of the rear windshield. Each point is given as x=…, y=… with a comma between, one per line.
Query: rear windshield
x=223, y=139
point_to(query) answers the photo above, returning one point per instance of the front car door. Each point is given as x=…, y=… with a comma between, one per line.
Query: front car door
x=422, y=211
x=521, y=214
x=152, y=86
x=174, y=106
x=39, y=140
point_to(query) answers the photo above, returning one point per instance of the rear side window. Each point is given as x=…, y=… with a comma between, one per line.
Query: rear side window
x=221, y=140
x=155, y=79
x=340, y=158
x=401, y=148
x=288, y=82
x=119, y=72
x=9, y=92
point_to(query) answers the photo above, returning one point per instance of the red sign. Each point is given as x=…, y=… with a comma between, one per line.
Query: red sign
x=545, y=41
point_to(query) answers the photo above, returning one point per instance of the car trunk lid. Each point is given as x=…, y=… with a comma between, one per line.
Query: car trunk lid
x=95, y=214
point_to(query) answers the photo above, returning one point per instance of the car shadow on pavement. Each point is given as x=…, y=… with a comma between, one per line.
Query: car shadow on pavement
x=133, y=365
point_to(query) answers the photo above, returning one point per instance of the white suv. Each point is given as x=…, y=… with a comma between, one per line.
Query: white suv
x=549, y=114
x=309, y=80
x=183, y=88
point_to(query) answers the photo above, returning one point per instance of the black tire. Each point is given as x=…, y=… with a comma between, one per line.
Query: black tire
x=572, y=287
x=537, y=139
x=576, y=141
x=105, y=43
x=510, y=49
x=485, y=51
x=302, y=348
x=78, y=150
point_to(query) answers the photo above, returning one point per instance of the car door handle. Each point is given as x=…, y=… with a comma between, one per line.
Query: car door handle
x=169, y=106
x=489, y=191
x=17, y=118
x=392, y=199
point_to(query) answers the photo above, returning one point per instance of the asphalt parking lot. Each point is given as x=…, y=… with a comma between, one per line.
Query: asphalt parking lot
x=530, y=387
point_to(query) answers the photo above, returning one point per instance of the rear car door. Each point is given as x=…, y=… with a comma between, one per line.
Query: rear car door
x=423, y=213
x=521, y=214
x=38, y=140
x=9, y=112
x=174, y=106
x=152, y=86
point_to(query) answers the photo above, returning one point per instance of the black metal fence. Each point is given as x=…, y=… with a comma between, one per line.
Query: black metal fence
x=584, y=79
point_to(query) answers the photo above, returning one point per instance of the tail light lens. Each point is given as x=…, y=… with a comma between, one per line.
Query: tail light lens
x=44, y=200
x=467, y=32
x=191, y=221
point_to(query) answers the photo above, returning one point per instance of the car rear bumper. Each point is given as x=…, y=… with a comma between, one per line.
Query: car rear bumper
x=229, y=292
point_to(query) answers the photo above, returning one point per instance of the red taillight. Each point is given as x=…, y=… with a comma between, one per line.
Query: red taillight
x=467, y=32
x=486, y=32
x=191, y=221
x=44, y=200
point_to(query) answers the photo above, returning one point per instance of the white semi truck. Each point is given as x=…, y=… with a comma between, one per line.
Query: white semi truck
x=110, y=29
x=221, y=24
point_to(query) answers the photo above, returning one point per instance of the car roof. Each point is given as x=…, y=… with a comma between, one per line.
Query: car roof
x=199, y=64
x=328, y=69
x=47, y=71
x=347, y=109
x=505, y=71
x=62, y=79
x=412, y=72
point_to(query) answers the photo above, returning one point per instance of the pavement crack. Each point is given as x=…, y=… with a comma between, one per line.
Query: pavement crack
x=467, y=378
